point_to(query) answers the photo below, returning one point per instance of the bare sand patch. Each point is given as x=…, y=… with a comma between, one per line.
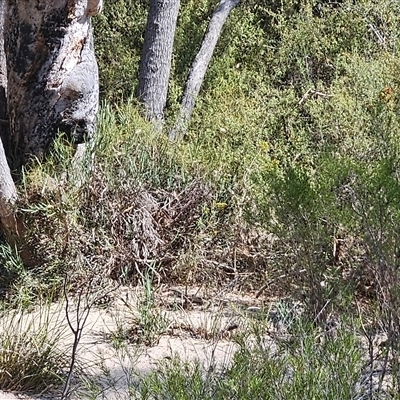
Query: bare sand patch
x=196, y=325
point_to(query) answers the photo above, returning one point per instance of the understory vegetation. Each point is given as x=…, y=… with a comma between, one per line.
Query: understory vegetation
x=286, y=185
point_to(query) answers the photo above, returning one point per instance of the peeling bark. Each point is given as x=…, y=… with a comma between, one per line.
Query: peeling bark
x=200, y=65
x=48, y=83
x=52, y=73
x=94, y=7
x=155, y=64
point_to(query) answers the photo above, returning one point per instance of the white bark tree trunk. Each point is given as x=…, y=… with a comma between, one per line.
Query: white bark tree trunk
x=8, y=191
x=48, y=82
x=52, y=73
x=9, y=224
x=3, y=78
x=200, y=65
x=155, y=64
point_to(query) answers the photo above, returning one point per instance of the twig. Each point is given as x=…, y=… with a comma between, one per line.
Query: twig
x=81, y=319
x=321, y=311
x=77, y=331
x=258, y=294
x=385, y=369
x=311, y=92
x=381, y=38
x=4, y=122
x=369, y=338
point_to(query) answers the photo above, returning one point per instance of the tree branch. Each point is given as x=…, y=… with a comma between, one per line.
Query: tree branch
x=200, y=65
x=84, y=305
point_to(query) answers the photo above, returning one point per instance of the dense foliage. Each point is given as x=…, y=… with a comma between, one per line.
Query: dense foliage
x=297, y=123
x=297, y=132
x=289, y=168
x=288, y=176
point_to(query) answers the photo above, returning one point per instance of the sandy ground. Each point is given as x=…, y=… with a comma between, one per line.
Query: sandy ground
x=196, y=325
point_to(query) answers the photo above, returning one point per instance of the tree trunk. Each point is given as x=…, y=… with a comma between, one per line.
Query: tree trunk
x=200, y=65
x=4, y=133
x=8, y=191
x=52, y=73
x=48, y=82
x=155, y=64
x=9, y=225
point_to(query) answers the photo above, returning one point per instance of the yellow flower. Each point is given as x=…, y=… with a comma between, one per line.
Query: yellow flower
x=220, y=206
x=264, y=145
x=274, y=163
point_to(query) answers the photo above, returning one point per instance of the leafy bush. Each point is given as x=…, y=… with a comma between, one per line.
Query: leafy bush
x=118, y=40
x=299, y=98
x=307, y=368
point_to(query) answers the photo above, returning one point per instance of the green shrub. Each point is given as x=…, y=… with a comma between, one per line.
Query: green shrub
x=310, y=367
x=118, y=41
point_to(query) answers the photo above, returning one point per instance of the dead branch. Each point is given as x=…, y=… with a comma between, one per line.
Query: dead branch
x=311, y=92
x=85, y=302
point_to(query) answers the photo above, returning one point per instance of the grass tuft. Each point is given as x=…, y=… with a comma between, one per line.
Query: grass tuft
x=30, y=355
